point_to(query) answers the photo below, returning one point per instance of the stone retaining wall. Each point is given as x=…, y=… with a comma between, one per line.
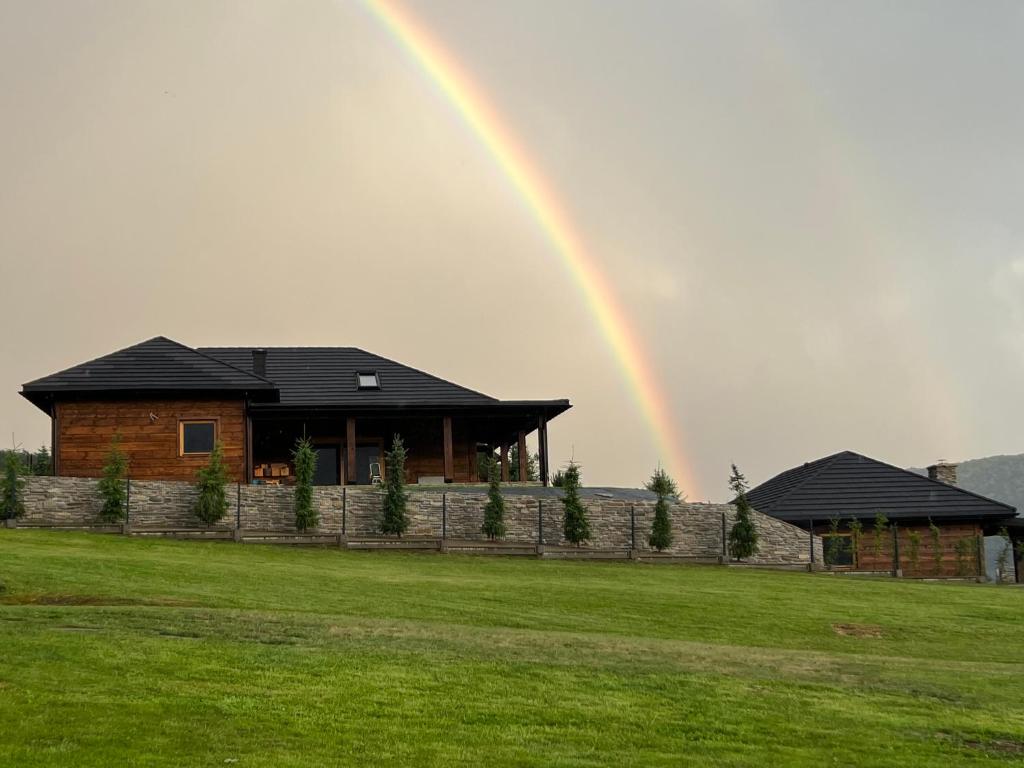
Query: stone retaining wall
x=614, y=523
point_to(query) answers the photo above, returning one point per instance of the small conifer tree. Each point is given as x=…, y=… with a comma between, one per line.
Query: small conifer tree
x=558, y=479
x=914, y=537
x=494, y=512
x=936, y=535
x=880, y=530
x=661, y=529
x=395, y=520
x=43, y=464
x=743, y=536
x=112, y=483
x=575, y=525
x=304, y=458
x=11, y=485
x=212, y=502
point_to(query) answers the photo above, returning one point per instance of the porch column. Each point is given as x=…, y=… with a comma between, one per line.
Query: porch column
x=449, y=460
x=350, y=450
x=523, y=458
x=504, y=462
x=248, y=449
x=542, y=442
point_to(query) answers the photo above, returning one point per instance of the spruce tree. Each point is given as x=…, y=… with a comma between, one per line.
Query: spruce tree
x=661, y=530
x=743, y=536
x=494, y=512
x=43, y=462
x=11, y=485
x=304, y=457
x=395, y=521
x=575, y=525
x=532, y=460
x=112, y=483
x=212, y=502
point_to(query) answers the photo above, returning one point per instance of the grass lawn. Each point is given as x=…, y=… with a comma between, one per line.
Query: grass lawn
x=120, y=651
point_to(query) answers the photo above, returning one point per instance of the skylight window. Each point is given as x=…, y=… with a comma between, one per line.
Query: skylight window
x=367, y=380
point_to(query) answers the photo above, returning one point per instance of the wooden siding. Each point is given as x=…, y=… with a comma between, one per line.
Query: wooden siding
x=86, y=429
x=948, y=567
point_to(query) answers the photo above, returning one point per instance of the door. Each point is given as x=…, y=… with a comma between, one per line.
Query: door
x=326, y=465
x=365, y=456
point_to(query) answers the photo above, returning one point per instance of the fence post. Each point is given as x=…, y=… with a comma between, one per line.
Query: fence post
x=540, y=526
x=897, y=571
x=127, y=505
x=237, y=534
x=812, y=543
x=725, y=543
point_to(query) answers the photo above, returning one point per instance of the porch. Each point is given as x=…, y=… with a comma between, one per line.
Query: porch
x=351, y=448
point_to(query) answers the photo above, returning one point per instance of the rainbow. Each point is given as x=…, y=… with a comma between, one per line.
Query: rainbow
x=486, y=124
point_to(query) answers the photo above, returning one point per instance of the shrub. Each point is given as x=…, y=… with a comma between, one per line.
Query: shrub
x=212, y=503
x=743, y=536
x=856, y=534
x=304, y=457
x=558, y=479
x=880, y=531
x=661, y=530
x=11, y=486
x=914, y=537
x=575, y=524
x=962, y=551
x=936, y=535
x=832, y=543
x=112, y=485
x=494, y=512
x=395, y=521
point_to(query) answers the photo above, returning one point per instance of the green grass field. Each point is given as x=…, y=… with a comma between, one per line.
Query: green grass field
x=119, y=651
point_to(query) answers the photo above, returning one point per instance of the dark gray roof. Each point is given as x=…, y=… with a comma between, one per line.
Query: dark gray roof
x=294, y=378
x=326, y=376
x=156, y=365
x=848, y=485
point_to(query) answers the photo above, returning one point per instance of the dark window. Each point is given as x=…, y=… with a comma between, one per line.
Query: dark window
x=367, y=380
x=838, y=550
x=198, y=436
x=326, y=466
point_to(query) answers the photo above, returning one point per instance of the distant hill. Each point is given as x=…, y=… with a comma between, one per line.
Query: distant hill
x=998, y=477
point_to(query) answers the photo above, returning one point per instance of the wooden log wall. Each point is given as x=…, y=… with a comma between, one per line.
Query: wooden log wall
x=149, y=436
x=947, y=565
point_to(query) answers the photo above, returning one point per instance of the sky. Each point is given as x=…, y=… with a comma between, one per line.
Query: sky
x=811, y=213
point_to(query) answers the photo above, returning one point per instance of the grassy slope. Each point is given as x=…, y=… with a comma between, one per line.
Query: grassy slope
x=286, y=657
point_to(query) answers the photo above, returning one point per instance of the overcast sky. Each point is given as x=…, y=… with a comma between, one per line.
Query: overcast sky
x=812, y=211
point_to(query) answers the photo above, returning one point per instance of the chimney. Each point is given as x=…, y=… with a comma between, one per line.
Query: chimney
x=259, y=368
x=943, y=471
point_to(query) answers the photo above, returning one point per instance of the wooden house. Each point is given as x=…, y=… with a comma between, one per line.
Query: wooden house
x=931, y=527
x=169, y=404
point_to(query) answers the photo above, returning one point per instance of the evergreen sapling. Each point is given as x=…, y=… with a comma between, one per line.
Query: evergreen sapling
x=743, y=536
x=12, y=484
x=575, y=525
x=304, y=457
x=661, y=529
x=395, y=521
x=112, y=484
x=494, y=511
x=212, y=502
